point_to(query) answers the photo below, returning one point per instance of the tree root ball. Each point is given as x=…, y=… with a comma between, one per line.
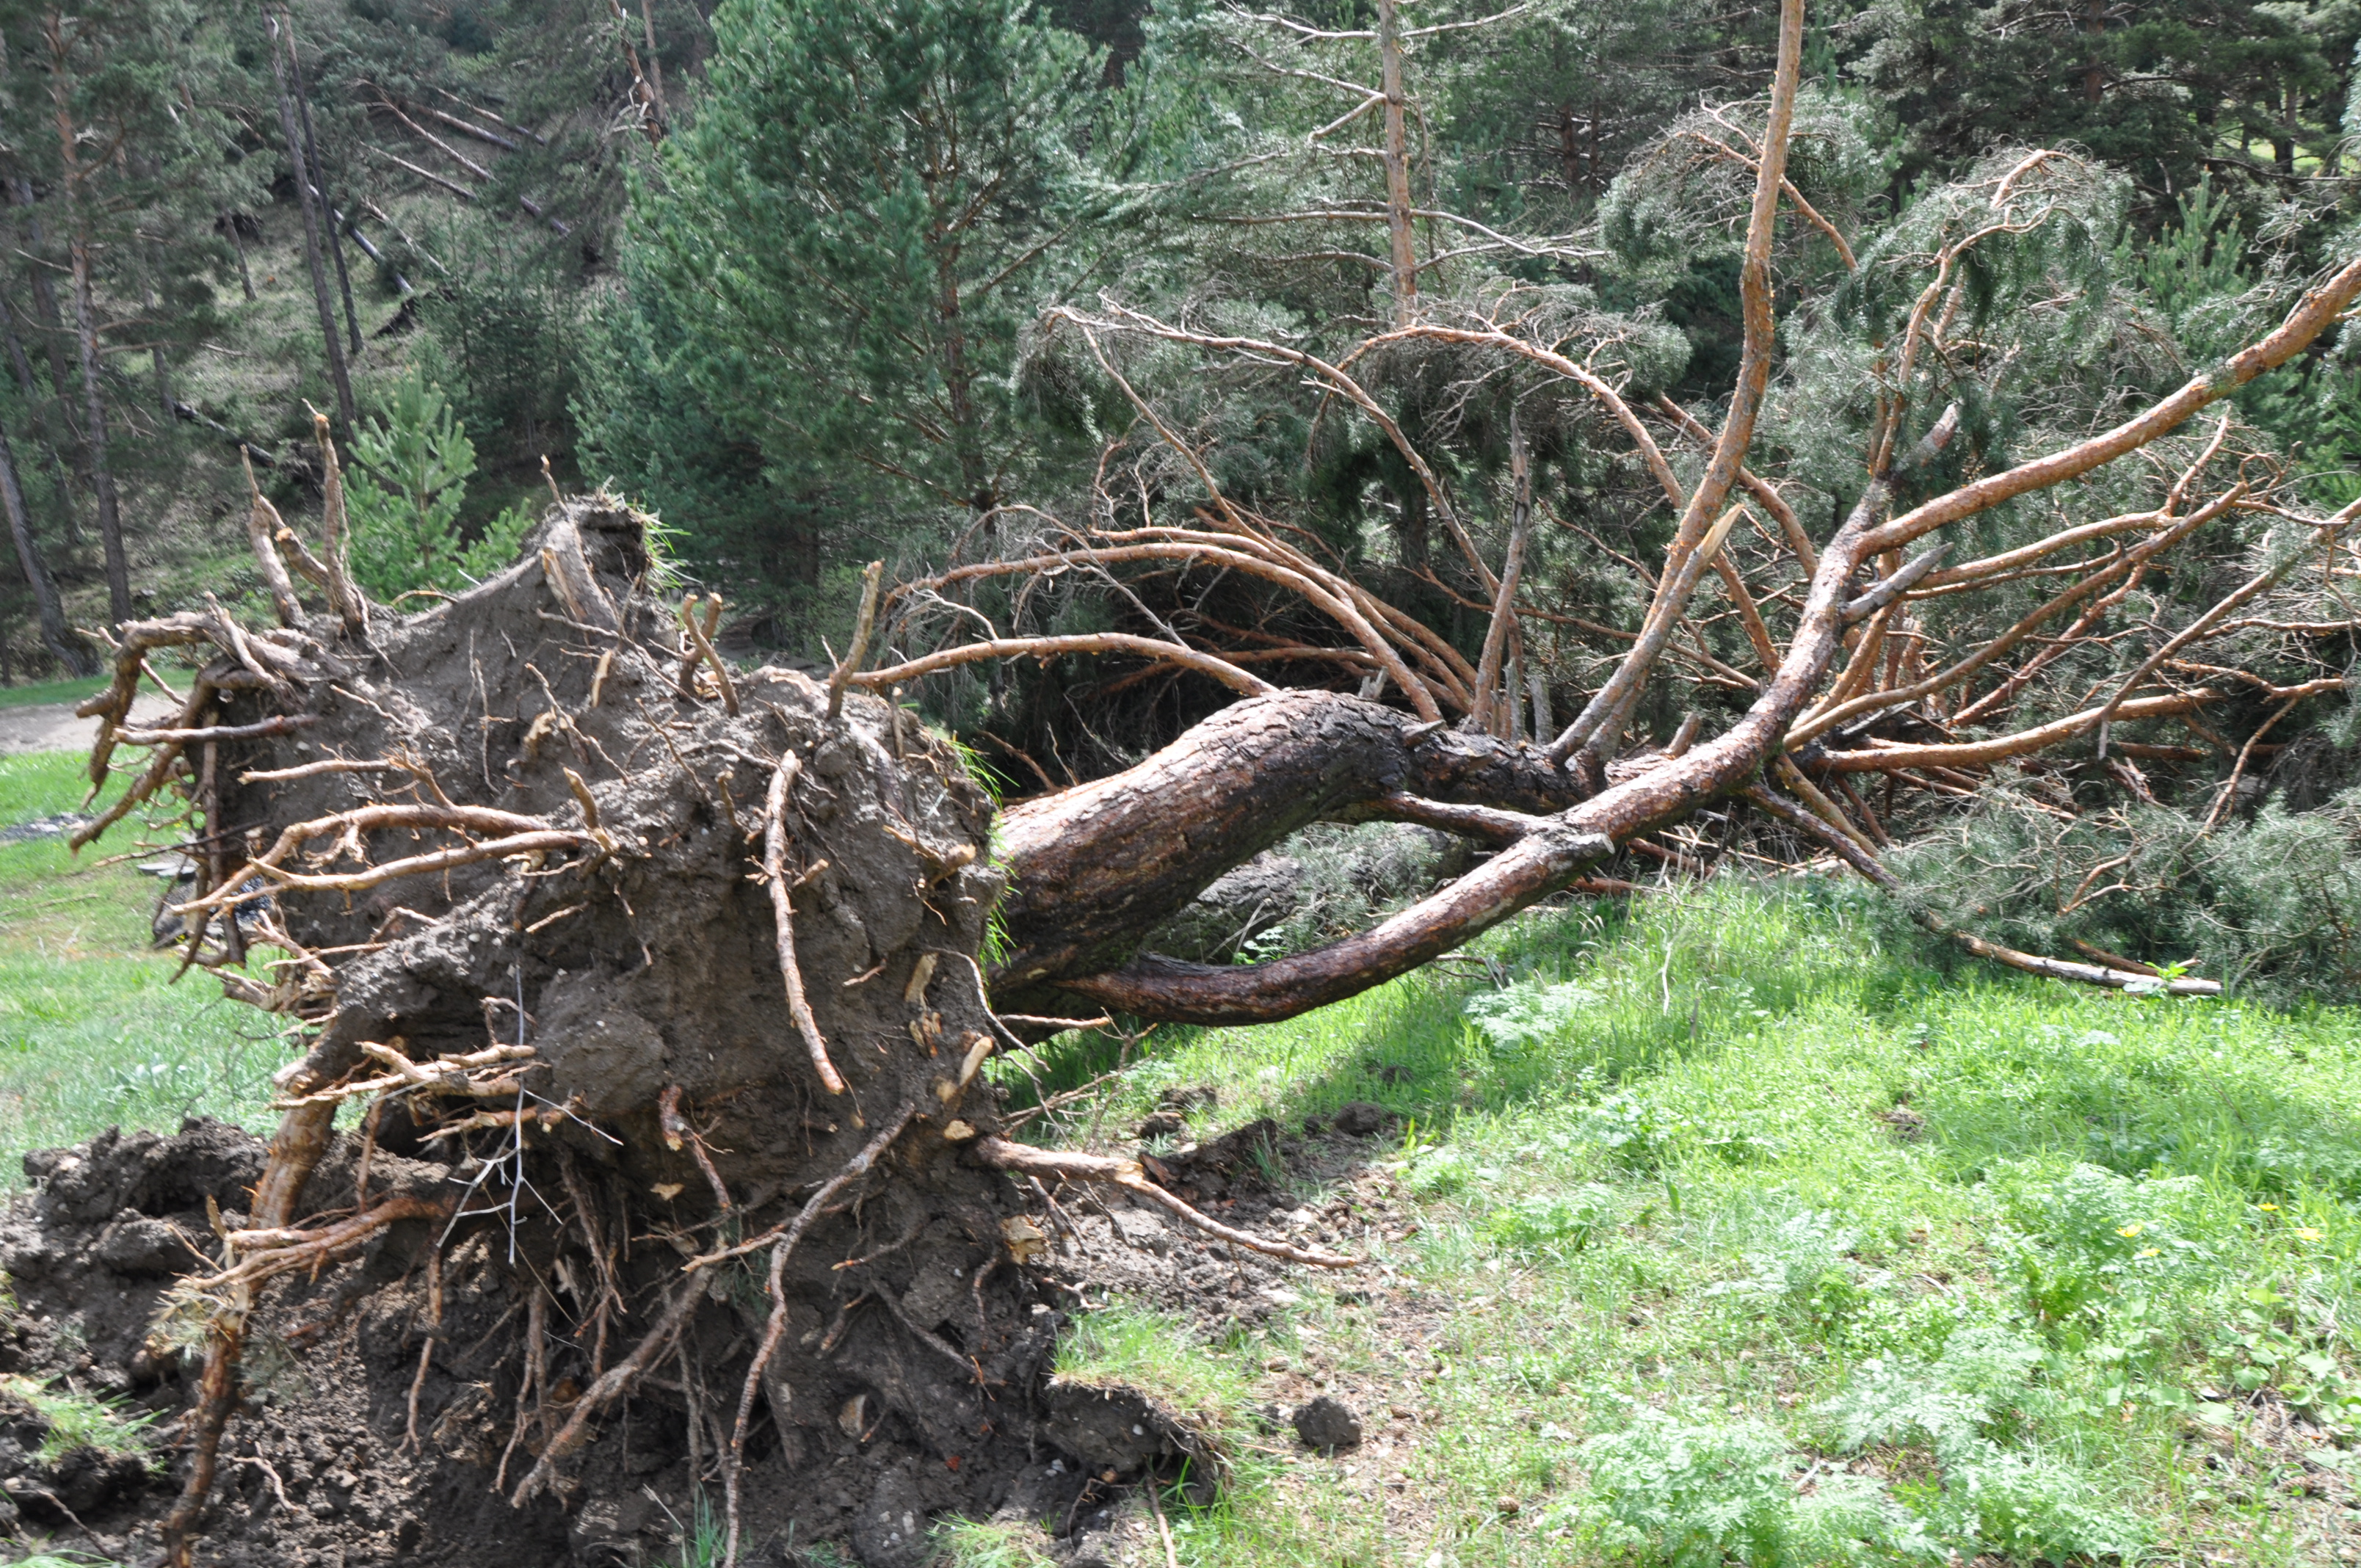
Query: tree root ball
x=600, y=1249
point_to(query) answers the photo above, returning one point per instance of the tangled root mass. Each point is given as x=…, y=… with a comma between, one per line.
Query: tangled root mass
x=597, y=1245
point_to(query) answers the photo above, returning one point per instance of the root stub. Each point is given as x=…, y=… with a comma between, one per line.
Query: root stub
x=617, y=1228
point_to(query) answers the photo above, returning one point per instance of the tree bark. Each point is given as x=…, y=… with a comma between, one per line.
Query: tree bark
x=46, y=436
x=1095, y=868
x=52, y=338
x=237, y=243
x=56, y=636
x=110, y=516
x=1400, y=222
x=1098, y=868
x=305, y=198
x=318, y=175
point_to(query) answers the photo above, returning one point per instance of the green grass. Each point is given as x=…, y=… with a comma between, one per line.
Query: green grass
x=93, y=1032
x=51, y=691
x=1739, y=1237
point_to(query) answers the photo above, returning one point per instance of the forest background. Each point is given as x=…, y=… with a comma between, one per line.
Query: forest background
x=785, y=273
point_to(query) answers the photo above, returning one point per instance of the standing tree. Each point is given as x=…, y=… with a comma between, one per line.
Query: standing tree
x=869, y=203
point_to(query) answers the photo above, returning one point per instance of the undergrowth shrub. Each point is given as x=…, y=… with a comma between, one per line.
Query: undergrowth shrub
x=410, y=464
x=1960, y=1405
x=1555, y=1225
x=2270, y=906
x=1666, y=1492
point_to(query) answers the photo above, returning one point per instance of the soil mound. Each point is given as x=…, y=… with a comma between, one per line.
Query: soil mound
x=650, y=999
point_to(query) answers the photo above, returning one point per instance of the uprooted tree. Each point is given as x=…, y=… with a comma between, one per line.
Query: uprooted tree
x=659, y=989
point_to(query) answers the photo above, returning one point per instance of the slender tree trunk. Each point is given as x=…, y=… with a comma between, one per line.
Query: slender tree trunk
x=56, y=636
x=56, y=410
x=1398, y=219
x=237, y=243
x=157, y=365
x=93, y=395
x=305, y=198
x=656, y=66
x=319, y=177
x=2095, y=73
x=959, y=386
x=46, y=436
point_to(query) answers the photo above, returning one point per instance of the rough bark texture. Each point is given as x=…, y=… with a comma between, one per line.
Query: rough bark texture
x=56, y=636
x=308, y=200
x=1097, y=868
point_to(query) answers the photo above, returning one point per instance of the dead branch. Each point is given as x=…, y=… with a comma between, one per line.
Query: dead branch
x=1045, y=649
x=871, y=576
x=782, y=1241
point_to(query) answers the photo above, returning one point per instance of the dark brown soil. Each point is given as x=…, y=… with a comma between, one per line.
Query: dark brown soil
x=880, y=1424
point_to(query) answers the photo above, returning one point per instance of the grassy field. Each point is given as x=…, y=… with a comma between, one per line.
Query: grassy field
x=51, y=691
x=1706, y=1231
x=92, y=1032
x=1728, y=1237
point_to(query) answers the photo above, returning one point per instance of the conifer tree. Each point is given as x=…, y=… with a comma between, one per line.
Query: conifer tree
x=870, y=203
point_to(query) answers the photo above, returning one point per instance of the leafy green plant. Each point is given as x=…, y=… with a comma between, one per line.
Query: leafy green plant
x=1634, y=1131
x=1521, y=1017
x=1665, y=1491
x=1956, y=1404
x=2257, y=1353
x=412, y=463
x=1554, y=1224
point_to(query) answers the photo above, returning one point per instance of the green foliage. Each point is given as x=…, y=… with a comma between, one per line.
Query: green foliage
x=1554, y=1222
x=411, y=466
x=1942, y=1320
x=2271, y=906
x=91, y=1032
x=1683, y=1495
x=76, y=1419
x=978, y=1543
x=1157, y=1353
x=837, y=256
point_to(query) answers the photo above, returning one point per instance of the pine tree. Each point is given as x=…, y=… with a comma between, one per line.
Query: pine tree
x=870, y=203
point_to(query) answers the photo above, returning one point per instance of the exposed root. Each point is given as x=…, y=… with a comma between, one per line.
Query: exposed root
x=302, y=1137
x=427, y=1343
x=700, y=652
x=444, y=1075
x=775, y=1327
x=677, y=1133
x=1002, y=1155
x=284, y=1251
x=872, y=577
x=774, y=852
x=606, y=1390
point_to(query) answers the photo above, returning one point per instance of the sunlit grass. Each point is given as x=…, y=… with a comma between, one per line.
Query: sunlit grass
x=51, y=691
x=93, y=1033
x=1713, y=1160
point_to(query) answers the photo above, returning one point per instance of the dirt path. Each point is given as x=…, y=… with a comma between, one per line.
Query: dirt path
x=52, y=726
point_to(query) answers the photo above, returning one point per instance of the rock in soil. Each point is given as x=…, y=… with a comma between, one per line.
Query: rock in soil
x=1328, y=1424
x=1360, y=1118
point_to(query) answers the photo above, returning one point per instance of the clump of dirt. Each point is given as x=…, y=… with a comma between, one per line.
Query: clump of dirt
x=605, y=1246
